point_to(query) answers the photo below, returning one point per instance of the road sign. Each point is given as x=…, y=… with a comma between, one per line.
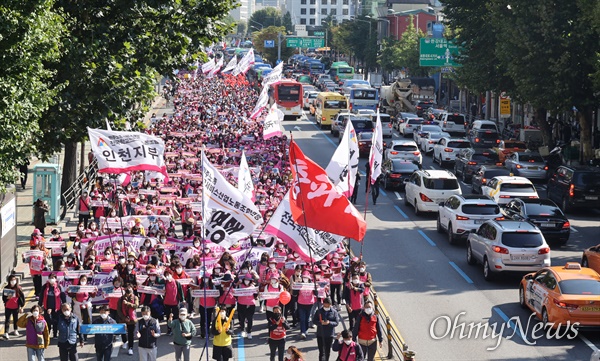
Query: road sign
x=319, y=33
x=504, y=108
x=269, y=43
x=305, y=42
x=438, y=53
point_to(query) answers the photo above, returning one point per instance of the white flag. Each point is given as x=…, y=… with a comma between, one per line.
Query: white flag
x=376, y=154
x=197, y=65
x=228, y=214
x=343, y=166
x=244, y=65
x=208, y=66
x=216, y=68
x=231, y=65
x=245, y=184
x=272, y=127
x=122, y=152
x=283, y=226
x=274, y=76
x=263, y=100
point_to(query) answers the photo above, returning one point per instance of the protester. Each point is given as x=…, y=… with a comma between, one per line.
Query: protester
x=293, y=354
x=353, y=294
x=113, y=303
x=326, y=319
x=277, y=331
x=173, y=296
x=83, y=208
x=367, y=331
x=183, y=331
x=68, y=334
x=37, y=335
x=40, y=208
x=126, y=307
x=51, y=299
x=306, y=300
x=103, y=342
x=14, y=300
x=221, y=329
x=82, y=303
x=246, y=306
x=148, y=331
x=347, y=349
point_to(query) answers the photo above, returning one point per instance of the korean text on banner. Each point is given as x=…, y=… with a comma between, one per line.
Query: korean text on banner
x=244, y=65
x=229, y=215
x=272, y=125
x=245, y=184
x=120, y=152
x=376, y=153
x=231, y=65
x=343, y=166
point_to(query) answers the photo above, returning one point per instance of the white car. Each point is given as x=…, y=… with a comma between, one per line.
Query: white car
x=420, y=131
x=429, y=140
x=461, y=215
x=309, y=97
x=402, y=117
x=446, y=149
x=453, y=123
x=426, y=189
x=366, y=112
x=407, y=127
x=504, y=188
x=403, y=149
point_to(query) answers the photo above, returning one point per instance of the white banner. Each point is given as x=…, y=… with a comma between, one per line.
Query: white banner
x=216, y=68
x=247, y=291
x=120, y=152
x=101, y=280
x=261, y=103
x=71, y=275
x=8, y=214
x=274, y=76
x=231, y=65
x=272, y=125
x=343, y=166
x=269, y=295
x=208, y=293
x=152, y=290
x=86, y=288
x=296, y=237
x=244, y=65
x=229, y=215
x=208, y=66
x=245, y=184
x=376, y=154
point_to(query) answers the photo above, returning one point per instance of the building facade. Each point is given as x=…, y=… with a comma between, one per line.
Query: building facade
x=244, y=11
x=312, y=12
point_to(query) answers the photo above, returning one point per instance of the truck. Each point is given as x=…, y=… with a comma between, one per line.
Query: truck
x=404, y=93
x=375, y=79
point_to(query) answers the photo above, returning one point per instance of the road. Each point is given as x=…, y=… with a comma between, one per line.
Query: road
x=424, y=281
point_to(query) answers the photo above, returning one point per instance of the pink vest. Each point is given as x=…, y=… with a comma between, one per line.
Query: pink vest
x=171, y=293
x=356, y=300
x=275, y=301
x=306, y=297
x=364, y=279
x=208, y=302
x=348, y=352
x=245, y=300
x=227, y=297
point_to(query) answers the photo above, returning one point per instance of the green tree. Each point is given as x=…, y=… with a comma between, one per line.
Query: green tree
x=112, y=54
x=270, y=33
x=287, y=22
x=30, y=33
x=358, y=38
x=266, y=17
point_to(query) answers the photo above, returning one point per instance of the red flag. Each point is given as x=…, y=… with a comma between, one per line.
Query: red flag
x=315, y=202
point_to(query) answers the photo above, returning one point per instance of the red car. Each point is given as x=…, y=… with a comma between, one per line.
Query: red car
x=365, y=139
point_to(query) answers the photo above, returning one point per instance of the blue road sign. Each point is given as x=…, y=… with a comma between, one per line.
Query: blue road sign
x=269, y=43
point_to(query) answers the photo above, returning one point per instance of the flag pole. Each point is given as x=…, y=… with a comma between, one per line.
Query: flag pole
x=203, y=234
x=368, y=177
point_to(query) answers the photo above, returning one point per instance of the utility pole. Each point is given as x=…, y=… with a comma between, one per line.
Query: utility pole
x=278, y=48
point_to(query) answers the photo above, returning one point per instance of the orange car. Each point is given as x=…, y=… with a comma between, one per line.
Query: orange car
x=563, y=295
x=591, y=258
x=508, y=147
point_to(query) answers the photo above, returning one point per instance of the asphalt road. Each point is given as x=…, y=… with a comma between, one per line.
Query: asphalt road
x=430, y=290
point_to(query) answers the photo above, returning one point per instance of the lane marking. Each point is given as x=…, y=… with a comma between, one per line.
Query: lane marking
x=240, y=349
x=588, y=342
x=401, y=212
x=325, y=135
x=460, y=272
x=432, y=243
x=510, y=323
x=574, y=230
x=398, y=196
x=382, y=192
x=431, y=167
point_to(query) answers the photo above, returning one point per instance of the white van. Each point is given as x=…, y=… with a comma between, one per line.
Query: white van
x=453, y=123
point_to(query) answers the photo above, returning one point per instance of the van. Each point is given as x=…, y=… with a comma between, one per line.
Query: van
x=360, y=125
x=327, y=106
x=453, y=123
x=484, y=125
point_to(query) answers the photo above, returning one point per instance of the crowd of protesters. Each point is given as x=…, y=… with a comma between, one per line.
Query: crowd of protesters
x=210, y=115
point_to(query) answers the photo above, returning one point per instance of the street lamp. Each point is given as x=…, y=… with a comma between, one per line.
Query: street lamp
x=256, y=22
x=368, y=22
x=326, y=34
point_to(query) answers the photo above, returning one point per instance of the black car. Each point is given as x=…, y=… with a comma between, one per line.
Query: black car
x=484, y=138
x=395, y=171
x=575, y=187
x=484, y=174
x=422, y=107
x=544, y=214
x=468, y=161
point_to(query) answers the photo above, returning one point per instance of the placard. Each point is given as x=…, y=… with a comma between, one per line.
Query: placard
x=9, y=293
x=208, y=293
x=79, y=289
x=247, y=291
x=269, y=295
x=103, y=329
x=54, y=244
x=76, y=274
x=152, y=290
x=296, y=286
x=33, y=253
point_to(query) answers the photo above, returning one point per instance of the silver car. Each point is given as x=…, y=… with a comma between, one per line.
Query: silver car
x=403, y=149
x=507, y=246
x=527, y=164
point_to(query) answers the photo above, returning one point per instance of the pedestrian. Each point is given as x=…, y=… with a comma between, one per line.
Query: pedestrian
x=206, y=305
x=293, y=354
x=353, y=294
x=24, y=170
x=82, y=303
x=367, y=331
x=36, y=265
x=103, y=342
x=277, y=330
x=14, y=300
x=126, y=307
x=221, y=329
x=40, y=208
x=37, y=336
x=326, y=319
x=68, y=334
x=367, y=176
x=375, y=188
x=51, y=298
x=113, y=302
x=183, y=331
x=306, y=300
x=347, y=349
x=148, y=331
x=355, y=190
x=83, y=208
x=246, y=306
x=173, y=296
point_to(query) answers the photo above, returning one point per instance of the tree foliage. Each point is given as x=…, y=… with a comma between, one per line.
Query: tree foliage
x=403, y=53
x=29, y=40
x=270, y=33
x=266, y=17
x=357, y=37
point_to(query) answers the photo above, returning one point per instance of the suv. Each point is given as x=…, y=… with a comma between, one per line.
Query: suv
x=460, y=215
x=425, y=189
x=446, y=149
x=467, y=161
x=507, y=246
x=453, y=123
x=340, y=123
x=360, y=125
x=484, y=125
x=422, y=107
x=403, y=149
x=409, y=125
x=484, y=138
x=575, y=187
x=544, y=214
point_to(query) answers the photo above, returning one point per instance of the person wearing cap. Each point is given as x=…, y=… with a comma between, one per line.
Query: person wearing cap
x=273, y=286
x=51, y=297
x=129, y=274
x=153, y=301
x=206, y=305
x=137, y=229
x=83, y=208
x=179, y=274
x=40, y=208
x=161, y=255
x=221, y=329
x=104, y=342
x=82, y=304
x=226, y=298
x=365, y=278
x=337, y=279
x=246, y=305
x=306, y=300
x=148, y=332
x=183, y=331
x=36, y=238
x=277, y=331
x=292, y=307
x=326, y=319
x=173, y=296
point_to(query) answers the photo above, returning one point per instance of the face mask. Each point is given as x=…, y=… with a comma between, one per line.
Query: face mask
x=169, y=278
x=223, y=315
x=130, y=267
x=323, y=268
x=296, y=254
x=146, y=317
x=52, y=281
x=244, y=271
x=196, y=244
x=355, y=282
x=274, y=284
x=178, y=270
x=246, y=282
x=81, y=228
x=368, y=311
x=70, y=259
x=217, y=272
x=93, y=226
x=117, y=284
x=182, y=317
x=152, y=278
x=83, y=283
x=104, y=316
x=143, y=253
x=163, y=240
x=272, y=265
x=67, y=313
x=13, y=282
x=326, y=308
x=147, y=245
x=35, y=314
x=131, y=259
x=122, y=261
x=348, y=342
x=362, y=269
x=206, y=250
x=305, y=280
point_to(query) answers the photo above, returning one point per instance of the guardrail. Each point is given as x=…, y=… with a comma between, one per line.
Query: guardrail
x=397, y=348
x=69, y=197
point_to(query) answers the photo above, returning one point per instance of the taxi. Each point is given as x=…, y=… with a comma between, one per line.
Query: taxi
x=563, y=295
x=504, y=188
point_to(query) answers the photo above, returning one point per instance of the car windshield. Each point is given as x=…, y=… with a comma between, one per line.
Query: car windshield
x=485, y=157
x=531, y=158
x=587, y=178
x=405, y=147
x=440, y=183
x=344, y=70
x=365, y=136
x=431, y=128
x=491, y=173
x=335, y=104
x=456, y=118
x=289, y=92
x=536, y=209
x=481, y=209
x=517, y=187
x=364, y=93
x=522, y=239
x=362, y=124
x=488, y=126
x=403, y=167
x=460, y=145
x=580, y=287
x=415, y=121
x=436, y=136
